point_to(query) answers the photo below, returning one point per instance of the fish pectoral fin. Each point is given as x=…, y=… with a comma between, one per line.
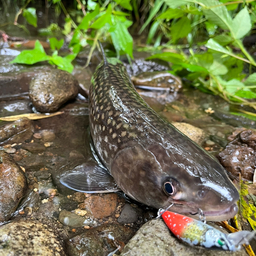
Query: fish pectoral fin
x=89, y=179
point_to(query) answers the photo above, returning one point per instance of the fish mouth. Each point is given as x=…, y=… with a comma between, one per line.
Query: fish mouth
x=221, y=215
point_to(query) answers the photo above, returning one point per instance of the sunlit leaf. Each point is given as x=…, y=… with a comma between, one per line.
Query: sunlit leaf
x=152, y=31
x=62, y=63
x=241, y=24
x=217, y=47
x=251, y=80
x=32, y=56
x=218, y=68
x=88, y=18
x=125, y=4
x=121, y=38
x=168, y=56
x=102, y=20
x=67, y=26
x=246, y=94
x=55, y=44
x=153, y=12
x=180, y=29
x=30, y=15
x=171, y=14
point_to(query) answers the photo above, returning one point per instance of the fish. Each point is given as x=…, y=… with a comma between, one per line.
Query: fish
x=146, y=157
x=198, y=233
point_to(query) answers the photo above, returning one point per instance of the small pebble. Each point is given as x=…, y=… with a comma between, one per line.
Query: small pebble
x=48, y=144
x=37, y=135
x=10, y=150
x=209, y=143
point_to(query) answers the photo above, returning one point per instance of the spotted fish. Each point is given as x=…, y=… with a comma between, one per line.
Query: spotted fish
x=145, y=156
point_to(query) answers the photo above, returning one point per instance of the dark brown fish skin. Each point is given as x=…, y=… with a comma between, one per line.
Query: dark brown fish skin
x=142, y=151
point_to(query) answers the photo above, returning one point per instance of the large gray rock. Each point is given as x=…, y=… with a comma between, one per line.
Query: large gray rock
x=51, y=89
x=13, y=185
x=154, y=238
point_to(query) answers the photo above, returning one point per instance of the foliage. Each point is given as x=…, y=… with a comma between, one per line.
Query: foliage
x=219, y=69
x=186, y=27
x=99, y=22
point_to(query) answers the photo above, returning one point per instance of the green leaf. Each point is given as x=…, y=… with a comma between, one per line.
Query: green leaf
x=102, y=20
x=62, y=63
x=204, y=60
x=174, y=3
x=30, y=15
x=55, y=44
x=67, y=26
x=152, y=31
x=216, y=13
x=153, y=12
x=56, y=1
x=125, y=4
x=246, y=94
x=170, y=14
x=218, y=68
x=32, y=56
x=194, y=68
x=241, y=24
x=231, y=86
x=76, y=38
x=223, y=39
x=251, y=80
x=211, y=44
x=88, y=18
x=180, y=29
x=172, y=57
x=121, y=38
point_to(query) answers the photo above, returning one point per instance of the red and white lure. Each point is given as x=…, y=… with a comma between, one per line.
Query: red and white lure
x=195, y=232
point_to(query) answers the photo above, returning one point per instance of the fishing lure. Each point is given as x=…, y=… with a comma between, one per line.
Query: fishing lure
x=196, y=232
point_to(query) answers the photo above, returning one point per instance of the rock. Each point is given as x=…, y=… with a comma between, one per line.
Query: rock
x=141, y=65
x=128, y=215
x=29, y=238
x=239, y=156
x=194, y=133
x=74, y=220
x=49, y=90
x=102, y=206
x=154, y=238
x=34, y=147
x=47, y=135
x=18, y=131
x=13, y=185
x=100, y=241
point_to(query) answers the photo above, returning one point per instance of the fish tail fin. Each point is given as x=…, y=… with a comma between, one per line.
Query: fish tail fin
x=103, y=53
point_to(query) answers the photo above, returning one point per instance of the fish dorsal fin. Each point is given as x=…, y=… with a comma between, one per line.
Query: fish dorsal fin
x=103, y=53
x=89, y=179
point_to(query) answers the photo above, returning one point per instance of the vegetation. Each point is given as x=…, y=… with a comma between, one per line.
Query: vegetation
x=201, y=39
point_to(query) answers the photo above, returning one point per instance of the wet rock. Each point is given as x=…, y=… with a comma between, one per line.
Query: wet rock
x=102, y=206
x=14, y=107
x=154, y=238
x=29, y=238
x=34, y=147
x=100, y=241
x=47, y=135
x=74, y=220
x=12, y=186
x=141, y=65
x=194, y=133
x=49, y=90
x=157, y=81
x=239, y=156
x=128, y=214
x=17, y=131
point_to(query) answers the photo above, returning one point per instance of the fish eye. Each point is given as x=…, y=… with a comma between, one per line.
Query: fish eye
x=202, y=193
x=168, y=188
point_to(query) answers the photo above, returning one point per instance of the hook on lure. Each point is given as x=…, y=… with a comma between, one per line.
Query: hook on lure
x=196, y=232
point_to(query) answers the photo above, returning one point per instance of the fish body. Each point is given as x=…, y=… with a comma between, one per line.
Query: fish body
x=195, y=232
x=147, y=157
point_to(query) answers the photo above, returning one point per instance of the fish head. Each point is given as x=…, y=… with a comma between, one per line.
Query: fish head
x=149, y=177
